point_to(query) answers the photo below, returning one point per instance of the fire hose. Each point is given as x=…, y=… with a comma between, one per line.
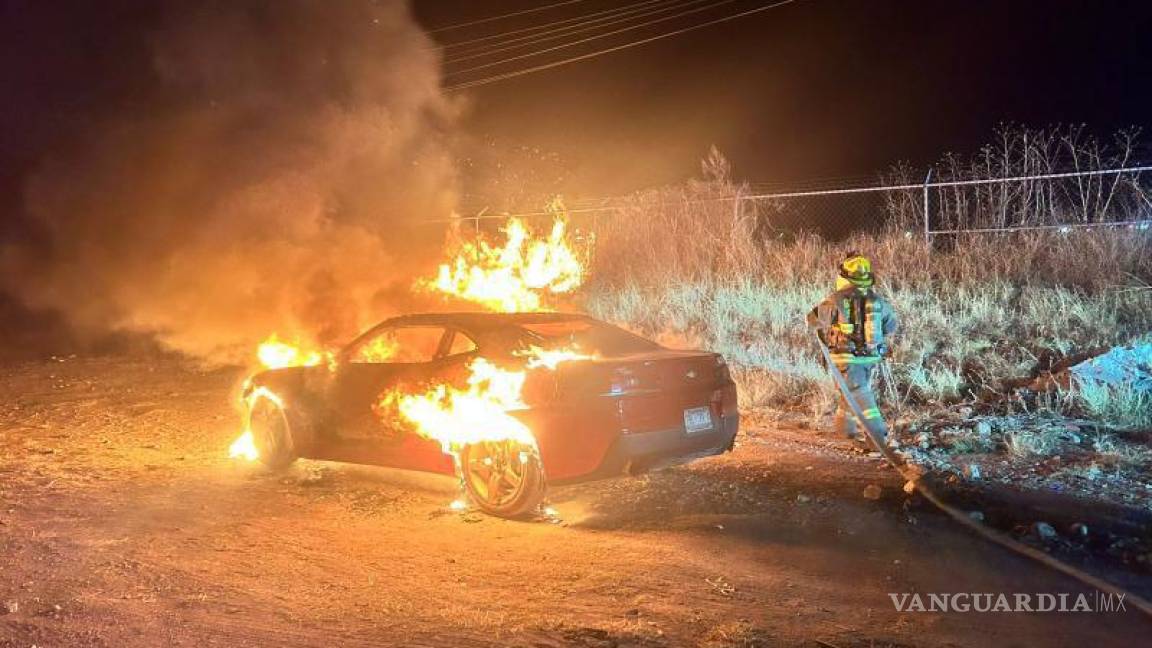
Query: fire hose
x=891, y=393
x=915, y=478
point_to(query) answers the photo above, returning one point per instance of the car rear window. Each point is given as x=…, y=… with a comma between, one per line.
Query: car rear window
x=589, y=336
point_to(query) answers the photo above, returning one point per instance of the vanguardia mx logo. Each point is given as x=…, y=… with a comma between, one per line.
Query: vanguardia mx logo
x=1016, y=602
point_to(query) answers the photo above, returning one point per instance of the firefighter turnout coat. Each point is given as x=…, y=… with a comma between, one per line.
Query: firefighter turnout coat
x=855, y=324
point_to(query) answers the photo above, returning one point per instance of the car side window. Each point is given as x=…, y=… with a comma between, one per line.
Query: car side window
x=461, y=344
x=403, y=344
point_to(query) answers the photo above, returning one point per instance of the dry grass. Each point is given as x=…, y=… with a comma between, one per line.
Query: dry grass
x=984, y=309
x=1121, y=405
x=737, y=634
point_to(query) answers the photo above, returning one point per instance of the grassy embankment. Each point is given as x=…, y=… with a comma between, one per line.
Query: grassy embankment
x=976, y=310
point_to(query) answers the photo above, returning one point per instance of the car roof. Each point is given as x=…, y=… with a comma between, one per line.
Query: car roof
x=482, y=319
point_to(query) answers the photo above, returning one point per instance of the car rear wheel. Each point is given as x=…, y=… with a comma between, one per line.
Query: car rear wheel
x=272, y=434
x=503, y=478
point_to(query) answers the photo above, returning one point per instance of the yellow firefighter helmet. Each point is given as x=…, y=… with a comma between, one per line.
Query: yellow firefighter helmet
x=857, y=269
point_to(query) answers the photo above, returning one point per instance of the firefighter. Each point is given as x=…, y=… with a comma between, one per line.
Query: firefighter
x=856, y=324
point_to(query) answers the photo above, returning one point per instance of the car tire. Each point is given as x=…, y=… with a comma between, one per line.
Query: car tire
x=503, y=478
x=272, y=434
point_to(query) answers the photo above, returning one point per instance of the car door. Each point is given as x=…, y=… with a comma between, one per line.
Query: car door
x=407, y=357
x=413, y=450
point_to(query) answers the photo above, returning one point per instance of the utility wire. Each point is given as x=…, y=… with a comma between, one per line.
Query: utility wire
x=581, y=41
x=583, y=57
x=613, y=203
x=550, y=25
x=571, y=30
x=502, y=17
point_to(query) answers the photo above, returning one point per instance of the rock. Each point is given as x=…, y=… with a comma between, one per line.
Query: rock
x=11, y=607
x=982, y=428
x=1079, y=530
x=1044, y=531
x=976, y=516
x=872, y=492
x=909, y=487
x=1126, y=366
x=972, y=471
x=803, y=499
x=316, y=477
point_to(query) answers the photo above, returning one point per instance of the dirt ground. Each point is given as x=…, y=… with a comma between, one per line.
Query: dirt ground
x=122, y=523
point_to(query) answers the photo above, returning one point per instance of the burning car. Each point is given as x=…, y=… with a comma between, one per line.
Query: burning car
x=508, y=402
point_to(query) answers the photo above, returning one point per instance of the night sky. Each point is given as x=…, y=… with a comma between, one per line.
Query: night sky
x=815, y=90
x=819, y=89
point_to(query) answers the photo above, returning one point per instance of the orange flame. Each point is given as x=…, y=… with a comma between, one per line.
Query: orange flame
x=244, y=447
x=275, y=353
x=481, y=412
x=379, y=349
x=550, y=358
x=458, y=417
x=520, y=274
x=515, y=276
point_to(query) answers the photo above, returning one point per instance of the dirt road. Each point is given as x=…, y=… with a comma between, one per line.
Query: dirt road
x=123, y=524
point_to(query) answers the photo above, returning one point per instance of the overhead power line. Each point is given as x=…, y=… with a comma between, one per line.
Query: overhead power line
x=583, y=57
x=549, y=25
x=502, y=17
x=581, y=41
x=546, y=33
x=571, y=30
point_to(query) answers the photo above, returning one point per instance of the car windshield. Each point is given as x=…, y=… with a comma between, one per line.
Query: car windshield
x=586, y=335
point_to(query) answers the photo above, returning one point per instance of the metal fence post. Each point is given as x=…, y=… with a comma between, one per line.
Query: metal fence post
x=927, y=225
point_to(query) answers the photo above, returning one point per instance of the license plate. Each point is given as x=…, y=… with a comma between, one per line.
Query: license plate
x=697, y=419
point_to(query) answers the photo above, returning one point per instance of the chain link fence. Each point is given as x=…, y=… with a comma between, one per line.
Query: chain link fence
x=932, y=209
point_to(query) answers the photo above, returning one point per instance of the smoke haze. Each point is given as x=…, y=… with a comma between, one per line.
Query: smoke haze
x=260, y=170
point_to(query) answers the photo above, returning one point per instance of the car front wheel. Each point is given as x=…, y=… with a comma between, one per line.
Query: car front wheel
x=272, y=434
x=503, y=478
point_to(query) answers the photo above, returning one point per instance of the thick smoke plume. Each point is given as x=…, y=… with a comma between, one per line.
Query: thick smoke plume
x=265, y=175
